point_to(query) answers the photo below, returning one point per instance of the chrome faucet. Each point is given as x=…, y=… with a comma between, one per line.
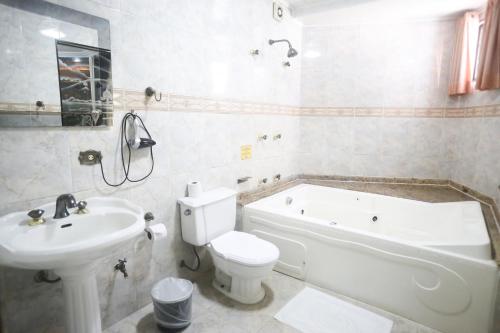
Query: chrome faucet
x=63, y=202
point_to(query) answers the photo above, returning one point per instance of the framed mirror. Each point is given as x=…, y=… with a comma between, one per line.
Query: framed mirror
x=41, y=81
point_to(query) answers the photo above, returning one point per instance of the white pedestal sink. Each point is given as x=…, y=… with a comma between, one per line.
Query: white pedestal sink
x=72, y=246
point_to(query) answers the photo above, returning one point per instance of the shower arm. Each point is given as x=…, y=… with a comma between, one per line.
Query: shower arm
x=272, y=41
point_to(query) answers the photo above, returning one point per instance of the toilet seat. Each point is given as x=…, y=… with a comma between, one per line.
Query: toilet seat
x=244, y=248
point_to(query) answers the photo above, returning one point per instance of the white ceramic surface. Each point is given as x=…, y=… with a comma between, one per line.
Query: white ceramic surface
x=428, y=262
x=241, y=261
x=109, y=223
x=72, y=247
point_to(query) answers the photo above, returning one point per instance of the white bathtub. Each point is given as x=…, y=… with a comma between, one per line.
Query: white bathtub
x=429, y=262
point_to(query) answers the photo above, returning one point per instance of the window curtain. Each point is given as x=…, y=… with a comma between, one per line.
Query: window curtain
x=464, y=55
x=488, y=71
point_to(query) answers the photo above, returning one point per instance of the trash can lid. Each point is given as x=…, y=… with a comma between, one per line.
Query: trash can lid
x=172, y=290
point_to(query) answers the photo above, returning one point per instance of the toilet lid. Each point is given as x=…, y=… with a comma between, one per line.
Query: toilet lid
x=245, y=248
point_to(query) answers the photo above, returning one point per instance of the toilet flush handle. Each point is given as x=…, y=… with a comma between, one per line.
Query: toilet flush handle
x=187, y=212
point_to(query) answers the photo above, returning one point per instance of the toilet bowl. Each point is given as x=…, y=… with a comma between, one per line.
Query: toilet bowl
x=241, y=260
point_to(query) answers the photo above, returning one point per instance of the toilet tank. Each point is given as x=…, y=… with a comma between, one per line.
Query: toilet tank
x=208, y=216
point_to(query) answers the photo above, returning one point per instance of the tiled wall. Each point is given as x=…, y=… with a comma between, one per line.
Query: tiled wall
x=380, y=96
x=199, y=48
x=403, y=65
x=27, y=52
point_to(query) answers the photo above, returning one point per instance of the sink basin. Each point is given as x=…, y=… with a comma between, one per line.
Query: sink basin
x=72, y=247
x=71, y=241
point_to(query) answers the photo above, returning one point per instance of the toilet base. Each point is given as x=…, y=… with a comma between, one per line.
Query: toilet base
x=246, y=291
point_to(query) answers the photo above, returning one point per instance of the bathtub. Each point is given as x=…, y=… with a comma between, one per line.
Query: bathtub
x=429, y=262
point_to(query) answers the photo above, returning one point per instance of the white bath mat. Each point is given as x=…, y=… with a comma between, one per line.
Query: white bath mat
x=312, y=311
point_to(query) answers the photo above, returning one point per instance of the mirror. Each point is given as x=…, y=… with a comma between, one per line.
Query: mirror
x=41, y=83
x=84, y=84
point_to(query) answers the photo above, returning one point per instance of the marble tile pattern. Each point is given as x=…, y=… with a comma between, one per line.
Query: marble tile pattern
x=201, y=48
x=27, y=45
x=186, y=48
x=385, y=66
x=462, y=149
x=376, y=70
x=39, y=164
x=213, y=312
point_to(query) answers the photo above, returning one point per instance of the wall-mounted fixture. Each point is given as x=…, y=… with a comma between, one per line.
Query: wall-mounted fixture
x=277, y=136
x=262, y=137
x=40, y=105
x=130, y=140
x=291, y=51
x=255, y=52
x=278, y=11
x=243, y=179
x=89, y=157
x=277, y=178
x=121, y=266
x=151, y=92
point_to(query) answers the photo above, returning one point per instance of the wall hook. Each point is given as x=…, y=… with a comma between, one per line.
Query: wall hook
x=150, y=92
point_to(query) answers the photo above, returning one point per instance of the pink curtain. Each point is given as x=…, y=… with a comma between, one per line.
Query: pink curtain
x=488, y=71
x=464, y=55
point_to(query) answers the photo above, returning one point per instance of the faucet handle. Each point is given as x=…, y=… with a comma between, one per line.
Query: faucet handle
x=82, y=207
x=36, y=217
x=148, y=217
x=36, y=213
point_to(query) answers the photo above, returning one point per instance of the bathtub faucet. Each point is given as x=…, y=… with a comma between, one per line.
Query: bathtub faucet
x=289, y=201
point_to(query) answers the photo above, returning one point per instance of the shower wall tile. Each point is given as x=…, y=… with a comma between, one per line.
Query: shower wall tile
x=391, y=81
x=379, y=65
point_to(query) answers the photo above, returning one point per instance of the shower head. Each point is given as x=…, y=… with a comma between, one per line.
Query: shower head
x=291, y=51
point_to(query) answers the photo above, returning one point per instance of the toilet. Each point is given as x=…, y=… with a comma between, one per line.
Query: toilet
x=241, y=259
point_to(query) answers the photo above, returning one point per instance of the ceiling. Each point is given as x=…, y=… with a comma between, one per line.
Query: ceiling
x=332, y=12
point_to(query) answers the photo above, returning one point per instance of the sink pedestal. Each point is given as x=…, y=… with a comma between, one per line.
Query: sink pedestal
x=81, y=299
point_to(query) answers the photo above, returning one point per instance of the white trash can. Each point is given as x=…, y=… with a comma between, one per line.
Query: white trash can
x=172, y=302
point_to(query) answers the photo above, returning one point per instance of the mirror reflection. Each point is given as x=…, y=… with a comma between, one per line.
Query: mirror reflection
x=85, y=84
x=41, y=82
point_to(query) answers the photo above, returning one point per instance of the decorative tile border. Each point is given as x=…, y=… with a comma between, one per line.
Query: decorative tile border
x=125, y=100
x=28, y=107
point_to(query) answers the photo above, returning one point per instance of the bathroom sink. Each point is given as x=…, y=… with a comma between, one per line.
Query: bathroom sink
x=72, y=247
x=70, y=241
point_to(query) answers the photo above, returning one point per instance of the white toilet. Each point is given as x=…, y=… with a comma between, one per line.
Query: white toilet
x=241, y=260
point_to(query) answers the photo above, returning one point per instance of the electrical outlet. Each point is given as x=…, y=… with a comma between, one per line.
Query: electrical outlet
x=90, y=157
